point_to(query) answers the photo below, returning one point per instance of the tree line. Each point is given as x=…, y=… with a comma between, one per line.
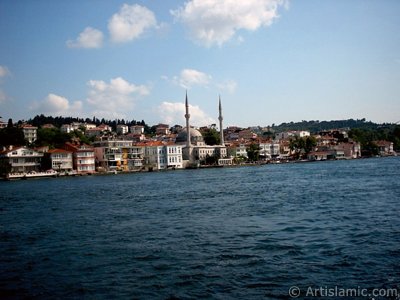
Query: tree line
x=40, y=120
x=315, y=126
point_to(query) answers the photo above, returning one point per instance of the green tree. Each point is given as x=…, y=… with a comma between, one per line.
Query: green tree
x=82, y=137
x=302, y=146
x=309, y=144
x=253, y=152
x=211, y=159
x=52, y=137
x=12, y=136
x=211, y=136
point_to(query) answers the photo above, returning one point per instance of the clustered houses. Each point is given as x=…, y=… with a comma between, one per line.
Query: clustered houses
x=333, y=144
x=129, y=149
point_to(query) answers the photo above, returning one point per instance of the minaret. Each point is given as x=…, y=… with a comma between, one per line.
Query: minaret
x=220, y=118
x=187, y=117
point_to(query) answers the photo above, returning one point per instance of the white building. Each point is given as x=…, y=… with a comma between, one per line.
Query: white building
x=30, y=133
x=137, y=129
x=269, y=150
x=288, y=134
x=22, y=159
x=161, y=156
x=89, y=126
x=83, y=157
x=238, y=150
x=122, y=129
x=67, y=128
x=61, y=160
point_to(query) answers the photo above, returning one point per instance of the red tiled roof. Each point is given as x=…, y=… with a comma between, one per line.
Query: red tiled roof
x=58, y=151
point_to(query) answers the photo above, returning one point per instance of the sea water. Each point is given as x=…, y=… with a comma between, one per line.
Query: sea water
x=262, y=232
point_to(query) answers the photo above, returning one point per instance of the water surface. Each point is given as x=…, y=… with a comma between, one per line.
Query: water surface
x=230, y=233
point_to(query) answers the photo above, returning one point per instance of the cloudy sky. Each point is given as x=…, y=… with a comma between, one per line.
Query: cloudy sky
x=272, y=61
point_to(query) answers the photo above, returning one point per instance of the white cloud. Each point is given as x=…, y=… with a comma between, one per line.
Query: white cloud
x=214, y=22
x=114, y=99
x=130, y=23
x=57, y=106
x=88, y=38
x=189, y=78
x=227, y=85
x=4, y=72
x=173, y=113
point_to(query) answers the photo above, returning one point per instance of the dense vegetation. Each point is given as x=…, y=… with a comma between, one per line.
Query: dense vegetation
x=11, y=136
x=41, y=120
x=362, y=131
x=317, y=126
x=366, y=137
x=365, y=132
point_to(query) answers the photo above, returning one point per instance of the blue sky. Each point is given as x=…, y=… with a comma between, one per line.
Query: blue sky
x=272, y=61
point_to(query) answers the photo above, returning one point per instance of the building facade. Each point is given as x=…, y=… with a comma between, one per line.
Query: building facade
x=30, y=133
x=161, y=156
x=118, y=155
x=21, y=160
x=61, y=160
x=83, y=158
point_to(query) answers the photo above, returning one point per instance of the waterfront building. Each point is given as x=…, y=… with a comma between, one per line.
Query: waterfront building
x=237, y=149
x=118, y=155
x=321, y=155
x=195, y=151
x=161, y=156
x=83, y=157
x=30, y=133
x=61, y=160
x=269, y=150
x=385, y=148
x=350, y=150
x=20, y=160
x=284, y=149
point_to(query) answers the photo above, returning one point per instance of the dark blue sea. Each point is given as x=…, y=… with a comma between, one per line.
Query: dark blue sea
x=226, y=233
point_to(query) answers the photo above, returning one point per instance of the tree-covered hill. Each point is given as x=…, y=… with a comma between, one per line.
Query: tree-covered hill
x=41, y=120
x=316, y=126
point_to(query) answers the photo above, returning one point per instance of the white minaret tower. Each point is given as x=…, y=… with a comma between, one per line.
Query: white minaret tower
x=220, y=118
x=187, y=117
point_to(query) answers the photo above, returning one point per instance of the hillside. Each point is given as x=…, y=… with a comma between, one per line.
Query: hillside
x=316, y=126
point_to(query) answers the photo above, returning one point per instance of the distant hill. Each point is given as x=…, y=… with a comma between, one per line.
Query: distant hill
x=316, y=126
x=41, y=120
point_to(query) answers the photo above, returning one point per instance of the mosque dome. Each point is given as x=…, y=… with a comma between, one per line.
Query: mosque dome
x=195, y=136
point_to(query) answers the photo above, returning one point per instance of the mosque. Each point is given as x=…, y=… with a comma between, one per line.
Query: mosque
x=194, y=149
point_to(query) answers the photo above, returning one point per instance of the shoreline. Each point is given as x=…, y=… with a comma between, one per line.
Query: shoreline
x=40, y=175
